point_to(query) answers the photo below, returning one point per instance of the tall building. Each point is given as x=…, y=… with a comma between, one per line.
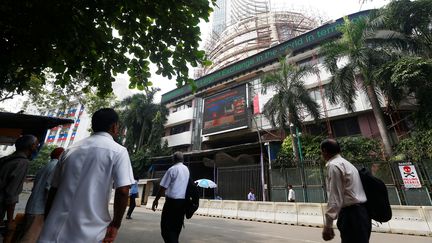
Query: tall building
x=226, y=138
x=243, y=9
x=219, y=17
x=66, y=135
x=242, y=28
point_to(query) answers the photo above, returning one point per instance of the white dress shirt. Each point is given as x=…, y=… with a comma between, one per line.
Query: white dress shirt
x=85, y=176
x=175, y=181
x=344, y=187
x=291, y=195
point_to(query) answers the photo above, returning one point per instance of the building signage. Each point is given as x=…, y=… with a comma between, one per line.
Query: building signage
x=305, y=40
x=225, y=111
x=409, y=175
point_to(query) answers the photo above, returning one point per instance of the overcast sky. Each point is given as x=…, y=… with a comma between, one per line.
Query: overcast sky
x=329, y=9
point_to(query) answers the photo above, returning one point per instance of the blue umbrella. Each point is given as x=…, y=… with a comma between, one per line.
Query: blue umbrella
x=205, y=183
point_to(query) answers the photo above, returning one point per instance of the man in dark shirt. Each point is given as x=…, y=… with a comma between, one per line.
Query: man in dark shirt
x=13, y=170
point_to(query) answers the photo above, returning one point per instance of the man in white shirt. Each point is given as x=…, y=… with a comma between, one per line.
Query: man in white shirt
x=251, y=195
x=291, y=194
x=346, y=198
x=173, y=184
x=77, y=205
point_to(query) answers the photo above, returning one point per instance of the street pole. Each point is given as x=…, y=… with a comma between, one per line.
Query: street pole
x=301, y=165
x=261, y=159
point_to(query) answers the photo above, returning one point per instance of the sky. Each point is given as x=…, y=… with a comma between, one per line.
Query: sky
x=328, y=9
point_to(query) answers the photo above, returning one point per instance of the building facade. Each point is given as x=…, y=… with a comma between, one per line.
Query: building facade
x=66, y=135
x=226, y=138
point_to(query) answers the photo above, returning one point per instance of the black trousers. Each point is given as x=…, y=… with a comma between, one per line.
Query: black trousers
x=354, y=224
x=132, y=204
x=172, y=219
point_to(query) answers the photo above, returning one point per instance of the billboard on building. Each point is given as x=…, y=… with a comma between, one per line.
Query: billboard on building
x=226, y=111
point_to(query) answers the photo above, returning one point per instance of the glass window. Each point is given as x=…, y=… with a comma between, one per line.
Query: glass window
x=346, y=127
x=180, y=128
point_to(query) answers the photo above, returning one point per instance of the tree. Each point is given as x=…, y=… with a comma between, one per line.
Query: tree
x=93, y=102
x=412, y=19
x=408, y=79
x=41, y=159
x=98, y=39
x=49, y=95
x=291, y=97
x=357, y=74
x=408, y=76
x=137, y=116
x=144, y=122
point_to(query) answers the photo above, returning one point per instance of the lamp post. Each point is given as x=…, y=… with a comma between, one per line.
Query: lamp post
x=261, y=159
x=298, y=134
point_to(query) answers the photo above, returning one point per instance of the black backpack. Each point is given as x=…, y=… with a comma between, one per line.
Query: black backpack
x=192, y=199
x=377, y=204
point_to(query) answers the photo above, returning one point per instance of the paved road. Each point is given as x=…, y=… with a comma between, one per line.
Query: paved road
x=144, y=227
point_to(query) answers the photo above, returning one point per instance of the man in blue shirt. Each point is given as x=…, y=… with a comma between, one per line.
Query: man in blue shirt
x=133, y=193
x=35, y=208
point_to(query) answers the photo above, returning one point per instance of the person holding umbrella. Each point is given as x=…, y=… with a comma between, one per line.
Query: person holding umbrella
x=173, y=185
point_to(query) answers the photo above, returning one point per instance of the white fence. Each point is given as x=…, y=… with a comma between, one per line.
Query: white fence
x=413, y=220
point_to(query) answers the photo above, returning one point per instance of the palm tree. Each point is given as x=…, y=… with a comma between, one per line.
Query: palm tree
x=361, y=59
x=412, y=20
x=291, y=97
x=407, y=25
x=138, y=113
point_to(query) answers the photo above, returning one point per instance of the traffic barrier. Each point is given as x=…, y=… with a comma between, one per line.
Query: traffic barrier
x=215, y=208
x=265, y=212
x=285, y=213
x=149, y=204
x=161, y=203
x=413, y=220
x=408, y=220
x=229, y=209
x=428, y=215
x=380, y=227
x=203, y=207
x=247, y=210
x=310, y=214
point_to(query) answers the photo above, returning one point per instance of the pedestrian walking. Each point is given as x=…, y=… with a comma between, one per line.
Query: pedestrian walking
x=77, y=204
x=251, y=195
x=173, y=185
x=35, y=207
x=291, y=194
x=13, y=170
x=346, y=198
x=133, y=194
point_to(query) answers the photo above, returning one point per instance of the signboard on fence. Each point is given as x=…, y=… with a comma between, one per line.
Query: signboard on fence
x=409, y=175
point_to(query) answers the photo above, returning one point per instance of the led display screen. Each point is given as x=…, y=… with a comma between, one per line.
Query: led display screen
x=225, y=111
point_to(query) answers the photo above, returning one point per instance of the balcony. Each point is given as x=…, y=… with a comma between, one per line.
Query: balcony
x=179, y=117
x=184, y=138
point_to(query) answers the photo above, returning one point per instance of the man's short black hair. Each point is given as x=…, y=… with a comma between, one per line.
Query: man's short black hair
x=25, y=142
x=103, y=119
x=331, y=146
x=177, y=157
